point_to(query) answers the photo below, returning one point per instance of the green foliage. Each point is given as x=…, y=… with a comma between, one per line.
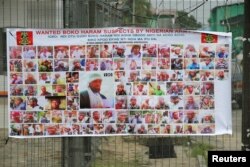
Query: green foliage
x=185, y=21
x=200, y=149
x=142, y=13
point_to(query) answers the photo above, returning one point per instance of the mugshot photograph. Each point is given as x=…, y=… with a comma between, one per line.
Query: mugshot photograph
x=133, y=102
x=30, y=90
x=135, y=51
x=207, y=64
x=16, y=117
x=16, y=78
x=221, y=63
x=160, y=103
x=122, y=116
x=92, y=94
x=149, y=50
x=175, y=88
x=190, y=117
x=177, y=64
x=59, y=90
x=163, y=51
x=30, y=65
x=61, y=65
x=140, y=88
x=191, y=64
x=77, y=65
x=72, y=77
x=110, y=128
x=153, y=129
x=119, y=64
x=45, y=52
x=207, y=102
x=55, y=103
x=119, y=51
x=176, y=116
x=133, y=76
x=206, y=75
x=158, y=89
x=109, y=116
x=73, y=103
x=45, y=90
x=18, y=103
x=120, y=89
x=45, y=65
x=148, y=75
x=58, y=78
x=15, y=65
x=106, y=51
x=92, y=64
x=149, y=63
x=176, y=51
x=15, y=52
x=192, y=75
x=33, y=104
x=106, y=64
x=44, y=78
x=190, y=51
x=190, y=129
x=162, y=76
x=133, y=64
x=191, y=103
x=61, y=52
x=166, y=129
x=30, y=117
x=206, y=51
x=175, y=103
x=222, y=51
x=93, y=51
x=84, y=117
x=56, y=116
x=221, y=75
x=96, y=117
x=72, y=89
x=77, y=51
x=16, y=90
x=164, y=63
x=120, y=102
x=66, y=129
x=52, y=129
x=120, y=76
x=29, y=52
x=44, y=117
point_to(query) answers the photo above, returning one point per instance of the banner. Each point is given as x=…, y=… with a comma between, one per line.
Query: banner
x=118, y=81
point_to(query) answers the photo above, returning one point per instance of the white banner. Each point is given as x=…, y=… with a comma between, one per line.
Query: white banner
x=118, y=81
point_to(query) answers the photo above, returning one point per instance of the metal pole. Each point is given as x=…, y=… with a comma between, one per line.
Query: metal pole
x=246, y=81
x=133, y=16
x=76, y=151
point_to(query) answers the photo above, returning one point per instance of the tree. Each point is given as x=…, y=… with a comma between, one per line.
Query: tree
x=184, y=21
x=143, y=14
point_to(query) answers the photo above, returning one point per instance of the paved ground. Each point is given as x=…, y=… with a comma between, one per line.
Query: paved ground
x=116, y=151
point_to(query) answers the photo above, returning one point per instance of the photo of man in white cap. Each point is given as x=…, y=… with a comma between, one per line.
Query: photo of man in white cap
x=92, y=98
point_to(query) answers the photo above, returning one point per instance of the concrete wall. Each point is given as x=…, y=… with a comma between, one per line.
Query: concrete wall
x=3, y=103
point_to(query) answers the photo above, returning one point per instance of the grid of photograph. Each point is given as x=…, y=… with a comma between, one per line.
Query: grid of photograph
x=114, y=89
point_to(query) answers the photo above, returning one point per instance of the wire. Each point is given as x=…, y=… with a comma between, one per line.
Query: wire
x=226, y=18
x=204, y=1
x=150, y=18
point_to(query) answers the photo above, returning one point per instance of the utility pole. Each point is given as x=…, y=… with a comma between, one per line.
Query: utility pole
x=246, y=80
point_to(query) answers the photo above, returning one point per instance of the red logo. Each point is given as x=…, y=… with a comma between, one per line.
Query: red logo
x=209, y=38
x=24, y=37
